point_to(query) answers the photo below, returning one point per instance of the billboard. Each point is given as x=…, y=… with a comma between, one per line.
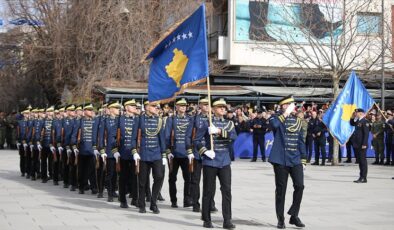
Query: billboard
x=295, y=21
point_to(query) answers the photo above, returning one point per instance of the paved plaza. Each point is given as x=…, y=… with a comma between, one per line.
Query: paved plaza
x=331, y=201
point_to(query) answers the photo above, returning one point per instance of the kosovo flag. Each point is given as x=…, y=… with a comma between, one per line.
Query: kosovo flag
x=180, y=59
x=337, y=117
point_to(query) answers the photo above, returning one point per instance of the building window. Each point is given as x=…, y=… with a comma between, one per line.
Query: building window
x=369, y=23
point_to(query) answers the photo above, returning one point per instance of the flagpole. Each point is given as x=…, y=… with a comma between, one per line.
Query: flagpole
x=209, y=110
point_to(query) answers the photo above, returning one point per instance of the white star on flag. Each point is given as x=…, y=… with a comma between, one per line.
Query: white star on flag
x=184, y=36
x=190, y=34
x=178, y=37
x=174, y=39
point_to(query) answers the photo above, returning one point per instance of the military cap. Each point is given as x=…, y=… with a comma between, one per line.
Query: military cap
x=50, y=109
x=70, y=108
x=359, y=110
x=79, y=107
x=181, y=101
x=286, y=100
x=41, y=110
x=138, y=105
x=62, y=109
x=35, y=110
x=151, y=103
x=88, y=106
x=204, y=100
x=25, y=111
x=129, y=102
x=219, y=102
x=114, y=104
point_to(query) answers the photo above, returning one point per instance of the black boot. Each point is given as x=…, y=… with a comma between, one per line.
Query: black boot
x=207, y=224
x=160, y=197
x=124, y=205
x=154, y=209
x=281, y=223
x=296, y=221
x=228, y=225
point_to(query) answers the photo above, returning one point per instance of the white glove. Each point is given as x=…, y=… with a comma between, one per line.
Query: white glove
x=53, y=149
x=96, y=152
x=170, y=156
x=213, y=130
x=164, y=161
x=60, y=149
x=39, y=147
x=136, y=157
x=304, y=167
x=69, y=152
x=25, y=146
x=191, y=157
x=104, y=156
x=31, y=148
x=117, y=155
x=18, y=145
x=76, y=151
x=290, y=109
x=210, y=153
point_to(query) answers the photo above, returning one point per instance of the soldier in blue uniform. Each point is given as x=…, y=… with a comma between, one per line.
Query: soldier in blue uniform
x=151, y=131
x=360, y=139
x=199, y=121
x=35, y=164
x=180, y=154
x=24, y=158
x=36, y=138
x=103, y=114
x=310, y=142
x=56, y=130
x=84, y=141
x=288, y=156
x=108, y=134
x=73, y=156
x=68, y=158
x=259, y=127
x=216, y=161
x=128, y=134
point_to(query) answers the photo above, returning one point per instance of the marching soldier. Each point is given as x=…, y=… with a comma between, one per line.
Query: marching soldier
x=153, y=156
x=360, y=142
x=109, y=137
x=68, y=159
x=35, y=163
x=84, y=141
x=103, y=114
x=57, y=133
x=73, y=161
x=216, y=162
x=21, y=143
x=288, y=156
x=377, y=130
x=43, y=133
x=199, y=121
x=128, y=135
x=259, y=127
x=180, y=154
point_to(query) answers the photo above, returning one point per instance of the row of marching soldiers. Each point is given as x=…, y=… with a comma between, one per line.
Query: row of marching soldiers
x=122, y=146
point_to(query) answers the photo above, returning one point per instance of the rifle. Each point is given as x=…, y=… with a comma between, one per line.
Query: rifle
x=118, y=136
x=191, y=166
x=137, y=167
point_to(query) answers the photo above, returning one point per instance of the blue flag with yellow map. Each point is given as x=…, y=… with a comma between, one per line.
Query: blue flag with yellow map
x=337, y=118
x=179, y=59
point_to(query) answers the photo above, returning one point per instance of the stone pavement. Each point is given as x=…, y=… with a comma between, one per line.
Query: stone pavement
x=331, y=201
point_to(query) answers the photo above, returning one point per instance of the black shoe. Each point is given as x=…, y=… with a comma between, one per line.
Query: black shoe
x=308, y=161
x=196, y=208
x=44, y=180
x=296, y=221
x=142, y=210
x=110, y=199
x=100, y=195
x=187, y=203
x=86, y=188
x=73, y=188
x=124, y=205
x=160, y=197
x=28, y=176
x=81, y=191
x=228, y=225
x=213, y=209
x=315, y=163
x=253, y=160
x=322, y=164
x=281, y=224
x=174, y=205
x=207, y=224
x=363, y=180
x=360, y=180
x=154, y=209
x=94, y=191
x=55, y=183
x=134, y=202
x=264, y=160
x=22, y=175
x=66, y=185
x=348, y=161
x=33, y=178
x=381, y=162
